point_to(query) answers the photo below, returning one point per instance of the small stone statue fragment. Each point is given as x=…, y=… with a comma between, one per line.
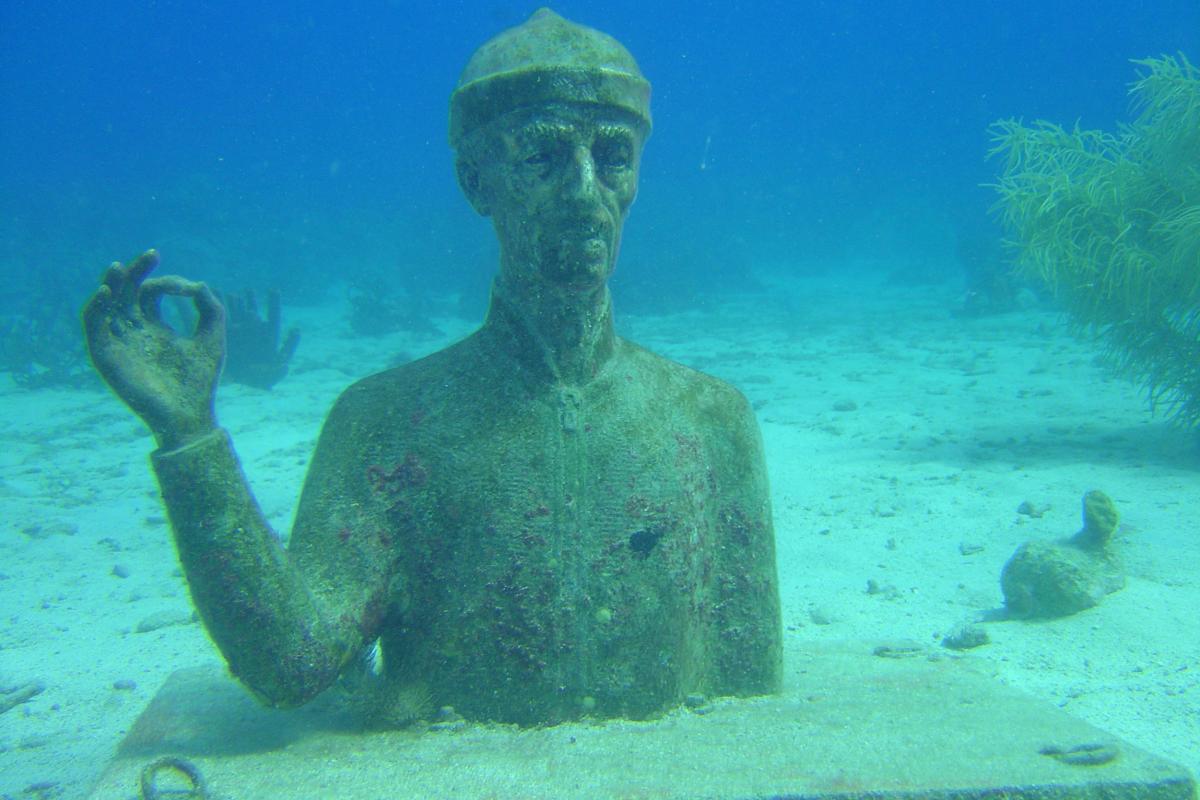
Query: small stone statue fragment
x=1057, y=579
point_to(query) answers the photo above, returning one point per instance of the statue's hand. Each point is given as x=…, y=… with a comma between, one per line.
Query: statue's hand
x=168, y=380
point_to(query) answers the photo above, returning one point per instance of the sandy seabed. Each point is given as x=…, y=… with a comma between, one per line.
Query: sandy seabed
x=901, y=441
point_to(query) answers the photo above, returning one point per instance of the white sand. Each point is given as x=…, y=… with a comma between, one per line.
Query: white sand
x=955, y=423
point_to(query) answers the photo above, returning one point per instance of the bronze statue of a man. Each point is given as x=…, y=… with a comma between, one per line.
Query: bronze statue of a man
x=540, y=522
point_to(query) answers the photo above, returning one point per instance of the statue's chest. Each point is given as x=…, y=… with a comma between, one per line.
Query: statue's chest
x=545, y=540
x=576, y=489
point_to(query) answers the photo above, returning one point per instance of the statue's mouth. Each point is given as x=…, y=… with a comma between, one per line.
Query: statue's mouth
x=594, y=250
x=578, y=250
x=578, y=246
x=594, y=230
x=585, y=230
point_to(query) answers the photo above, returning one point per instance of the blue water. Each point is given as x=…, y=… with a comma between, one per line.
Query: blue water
x=293, y=143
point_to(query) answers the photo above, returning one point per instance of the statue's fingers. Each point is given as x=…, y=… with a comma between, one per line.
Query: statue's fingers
x=211, y=324
x=96, y=318
x=152, y=291
x=151, y=294
x=124, y=281
x=142, y=266
x=114, y=276
x=116, y=280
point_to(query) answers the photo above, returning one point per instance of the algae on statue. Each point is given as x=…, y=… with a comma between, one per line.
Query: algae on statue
x=1110, y=223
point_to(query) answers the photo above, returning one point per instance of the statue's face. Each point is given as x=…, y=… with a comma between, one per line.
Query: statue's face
x=558, y=182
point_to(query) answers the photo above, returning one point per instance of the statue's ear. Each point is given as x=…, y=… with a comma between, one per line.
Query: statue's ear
x=471, y=183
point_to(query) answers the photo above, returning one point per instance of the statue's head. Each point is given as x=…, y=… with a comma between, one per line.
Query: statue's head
x=548, y=123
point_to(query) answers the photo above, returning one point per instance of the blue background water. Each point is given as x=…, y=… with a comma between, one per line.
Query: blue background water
x=284, y=143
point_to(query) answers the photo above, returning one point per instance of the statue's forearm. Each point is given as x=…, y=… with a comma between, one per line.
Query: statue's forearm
x=259, y=610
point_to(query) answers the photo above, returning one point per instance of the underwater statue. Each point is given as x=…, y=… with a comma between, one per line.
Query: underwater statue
x=541, y=522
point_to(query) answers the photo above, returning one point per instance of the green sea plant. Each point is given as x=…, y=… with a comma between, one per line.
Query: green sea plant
x=1110, y=224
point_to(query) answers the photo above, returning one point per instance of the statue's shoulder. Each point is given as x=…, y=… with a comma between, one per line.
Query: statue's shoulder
x=685, y=386
x=405, y=385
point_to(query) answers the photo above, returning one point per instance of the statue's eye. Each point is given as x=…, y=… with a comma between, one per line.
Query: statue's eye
x=612, y=154
x=540, y=152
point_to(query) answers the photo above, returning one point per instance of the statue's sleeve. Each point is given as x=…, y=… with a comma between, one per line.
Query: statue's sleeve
x=285, y=620
x=749, y=628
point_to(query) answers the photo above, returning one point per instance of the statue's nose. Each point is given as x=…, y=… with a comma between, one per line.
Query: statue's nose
x=581, y=180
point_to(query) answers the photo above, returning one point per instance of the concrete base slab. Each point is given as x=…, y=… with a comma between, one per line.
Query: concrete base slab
x=863, y=721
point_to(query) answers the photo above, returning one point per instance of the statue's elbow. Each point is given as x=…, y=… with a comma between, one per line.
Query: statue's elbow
x=290, y=680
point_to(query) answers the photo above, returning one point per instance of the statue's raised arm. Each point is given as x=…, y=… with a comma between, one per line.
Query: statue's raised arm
x=281, y=634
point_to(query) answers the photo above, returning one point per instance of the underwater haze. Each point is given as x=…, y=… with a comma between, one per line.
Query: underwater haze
x=940, y=390
x=305, y=143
